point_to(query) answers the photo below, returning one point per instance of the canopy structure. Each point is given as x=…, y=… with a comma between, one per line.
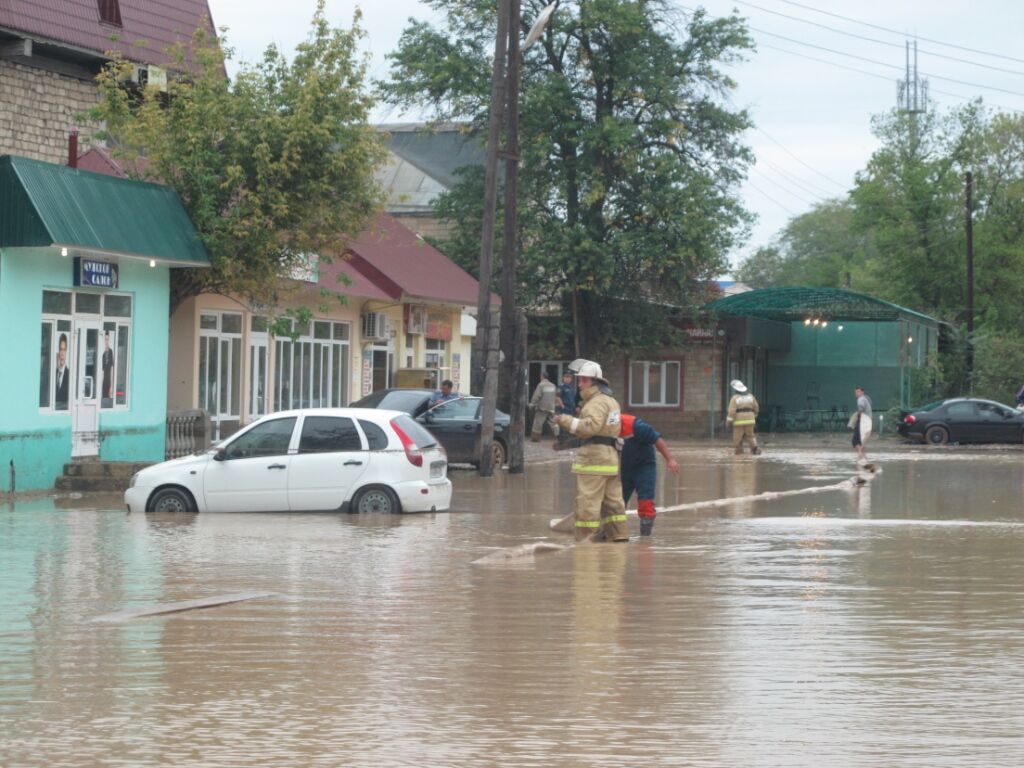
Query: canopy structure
x=43, y=205
x=797, y=303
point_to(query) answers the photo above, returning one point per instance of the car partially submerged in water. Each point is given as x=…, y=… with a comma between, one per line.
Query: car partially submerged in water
x=455, y=423
x=962, y=420
x=310, y=460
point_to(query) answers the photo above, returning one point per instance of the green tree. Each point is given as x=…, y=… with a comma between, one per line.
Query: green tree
x=817, y=248
x=630, y=160
x=271, y=166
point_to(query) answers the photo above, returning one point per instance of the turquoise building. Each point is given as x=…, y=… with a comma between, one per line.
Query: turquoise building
x=85, y=264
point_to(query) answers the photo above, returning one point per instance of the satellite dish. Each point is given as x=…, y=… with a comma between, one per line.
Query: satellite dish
x=538, y=26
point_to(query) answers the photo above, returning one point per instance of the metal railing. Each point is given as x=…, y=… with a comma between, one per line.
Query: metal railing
x=187, y=432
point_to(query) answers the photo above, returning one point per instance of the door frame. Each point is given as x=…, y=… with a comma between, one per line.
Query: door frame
x=85, y=401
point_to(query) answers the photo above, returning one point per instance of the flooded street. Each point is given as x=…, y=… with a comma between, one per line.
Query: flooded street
x=878, y=626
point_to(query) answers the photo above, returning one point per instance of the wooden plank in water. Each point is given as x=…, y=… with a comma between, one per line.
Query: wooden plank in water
x=181, y=605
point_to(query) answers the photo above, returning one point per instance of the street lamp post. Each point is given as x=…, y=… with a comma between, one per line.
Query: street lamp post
x=504, y=108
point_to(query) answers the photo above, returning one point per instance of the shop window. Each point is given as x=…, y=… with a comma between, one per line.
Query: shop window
x=56, y=303
x=434, y=356
x=654, y=383
x=312, y=371
x=220, y=364
x=87, y=303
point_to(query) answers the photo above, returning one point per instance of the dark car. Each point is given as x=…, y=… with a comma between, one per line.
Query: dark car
x=963, y=420
x=455, y=423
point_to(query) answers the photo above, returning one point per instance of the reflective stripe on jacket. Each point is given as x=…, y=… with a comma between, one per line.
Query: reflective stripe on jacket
x=742, y=410
x=600, y=416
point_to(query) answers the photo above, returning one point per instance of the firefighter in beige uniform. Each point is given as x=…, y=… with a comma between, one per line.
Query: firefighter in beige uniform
x=742, y=416
x=599, y=506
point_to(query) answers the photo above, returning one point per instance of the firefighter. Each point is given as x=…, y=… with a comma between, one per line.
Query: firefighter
x=742, y=415
x=600, y=512
x=640, y=466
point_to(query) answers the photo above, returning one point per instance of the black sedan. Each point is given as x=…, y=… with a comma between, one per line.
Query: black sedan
x=963, y=420
x=455, y=423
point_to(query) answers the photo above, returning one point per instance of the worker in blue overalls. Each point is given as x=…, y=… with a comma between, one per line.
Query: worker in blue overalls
x=638, y=466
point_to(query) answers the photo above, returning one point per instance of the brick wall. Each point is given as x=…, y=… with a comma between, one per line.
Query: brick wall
x=37, y=107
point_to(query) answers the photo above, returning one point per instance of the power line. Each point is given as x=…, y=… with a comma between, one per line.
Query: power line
x=882, y=63
x=810, y=167
x=901, y=34
x=811, y=202
x=880, y=42
x=807, y=187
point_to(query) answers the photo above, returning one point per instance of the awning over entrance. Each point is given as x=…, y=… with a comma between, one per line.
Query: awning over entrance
x=47, y=205
x=795, y=303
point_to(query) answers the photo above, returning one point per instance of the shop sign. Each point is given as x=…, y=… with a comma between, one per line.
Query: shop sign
x=91, y=273
x=439, y=326
x=700, y=333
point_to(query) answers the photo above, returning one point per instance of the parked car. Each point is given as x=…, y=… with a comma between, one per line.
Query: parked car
x=318, y=459
x=963, y=420
x=455, y=423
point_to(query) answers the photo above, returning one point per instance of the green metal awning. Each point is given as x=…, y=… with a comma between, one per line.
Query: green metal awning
x=46, y=205
x=796, y=303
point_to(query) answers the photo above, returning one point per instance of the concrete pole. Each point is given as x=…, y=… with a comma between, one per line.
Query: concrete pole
x=485, y=354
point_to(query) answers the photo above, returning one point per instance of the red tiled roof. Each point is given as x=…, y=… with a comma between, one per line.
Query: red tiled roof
x=360, y=285
x=156, y=23
x=400, y=262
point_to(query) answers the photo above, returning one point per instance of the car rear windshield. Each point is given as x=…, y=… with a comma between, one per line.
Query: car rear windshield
x=931, y=406
x=402, y=401
x=418, y=434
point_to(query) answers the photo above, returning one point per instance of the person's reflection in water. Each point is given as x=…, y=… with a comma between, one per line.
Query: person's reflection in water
x=741, y=480
x=597, y=584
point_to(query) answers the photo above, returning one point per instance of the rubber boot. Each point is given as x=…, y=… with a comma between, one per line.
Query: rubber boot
x=645, y=510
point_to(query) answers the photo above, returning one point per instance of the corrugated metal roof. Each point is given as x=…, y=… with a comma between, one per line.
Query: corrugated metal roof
x=42, y=204
x=148, y=27
x=794, y=303
x=400, y=262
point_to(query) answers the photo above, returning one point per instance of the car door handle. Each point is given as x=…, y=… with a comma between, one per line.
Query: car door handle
x=277, y=466
x=469, y=427
x=353, y=463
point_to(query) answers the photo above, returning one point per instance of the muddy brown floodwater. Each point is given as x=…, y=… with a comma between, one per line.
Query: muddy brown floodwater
x=882, y=626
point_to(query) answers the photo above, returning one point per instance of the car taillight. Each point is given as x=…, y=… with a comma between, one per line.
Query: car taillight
x=909, y=419
x=412, y=453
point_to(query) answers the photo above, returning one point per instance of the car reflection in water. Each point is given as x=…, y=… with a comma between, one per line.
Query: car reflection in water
x=455, y=423
x=963, y=420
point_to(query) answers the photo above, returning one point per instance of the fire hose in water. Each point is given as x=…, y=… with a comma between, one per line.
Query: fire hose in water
x=567, y=524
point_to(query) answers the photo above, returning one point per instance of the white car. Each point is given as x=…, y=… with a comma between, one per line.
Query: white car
x=308, y=460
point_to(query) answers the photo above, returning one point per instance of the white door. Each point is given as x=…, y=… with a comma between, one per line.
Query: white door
x=85, y=403
x=325, y=470
x=252, y=474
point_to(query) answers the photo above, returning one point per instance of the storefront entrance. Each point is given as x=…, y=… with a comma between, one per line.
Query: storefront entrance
x=85, y=404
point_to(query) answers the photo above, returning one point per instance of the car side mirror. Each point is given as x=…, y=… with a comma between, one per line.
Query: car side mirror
x=220, y=454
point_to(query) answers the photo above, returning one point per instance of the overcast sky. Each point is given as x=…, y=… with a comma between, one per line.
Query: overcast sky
x=811, y=105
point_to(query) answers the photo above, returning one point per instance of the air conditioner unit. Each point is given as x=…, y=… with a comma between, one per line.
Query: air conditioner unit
x=376, y=327
x=416, y=319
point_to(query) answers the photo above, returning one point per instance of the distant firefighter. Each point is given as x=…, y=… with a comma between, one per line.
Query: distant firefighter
x=742, y=416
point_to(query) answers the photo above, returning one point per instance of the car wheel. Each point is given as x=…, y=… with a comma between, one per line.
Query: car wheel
x=499, y=455
x=171, y=500
x=376, y=500
x=936, y=435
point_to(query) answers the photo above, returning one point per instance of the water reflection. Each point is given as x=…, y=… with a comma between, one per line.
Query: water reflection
x=880, y=625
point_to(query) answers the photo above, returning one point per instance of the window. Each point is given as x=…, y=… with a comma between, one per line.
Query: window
x=993, y=412
x=269, y=438
x=375, y=438
x=961, y=411
x=328, y=434
x=654, y=383
x=464, y=408
x=56, y=339
x=434, y=357
x=220, y=364
x=110, y=12
x=313, y=370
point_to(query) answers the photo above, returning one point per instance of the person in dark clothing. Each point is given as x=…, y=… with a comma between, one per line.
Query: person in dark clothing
x=639, y=466
x=1020, y=397
x=566, y=396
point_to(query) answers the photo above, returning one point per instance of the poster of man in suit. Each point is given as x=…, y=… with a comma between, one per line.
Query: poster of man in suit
x=63, y=374
x=108, y=371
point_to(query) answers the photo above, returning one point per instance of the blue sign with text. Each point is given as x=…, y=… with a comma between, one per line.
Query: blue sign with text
x=91, y=273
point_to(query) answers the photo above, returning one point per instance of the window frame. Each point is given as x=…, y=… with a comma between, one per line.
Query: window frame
x=662, y=402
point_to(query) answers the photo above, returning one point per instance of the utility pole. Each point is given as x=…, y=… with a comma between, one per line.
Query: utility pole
x=486, y=381
x=505, y=109
x=970, y=278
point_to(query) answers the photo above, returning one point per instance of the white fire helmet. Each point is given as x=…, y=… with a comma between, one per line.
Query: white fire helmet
x=588, y=368
x=738, y=385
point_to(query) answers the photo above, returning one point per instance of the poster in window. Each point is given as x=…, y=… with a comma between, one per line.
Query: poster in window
x=107, y=369
x=439, y=326
x=62, y=375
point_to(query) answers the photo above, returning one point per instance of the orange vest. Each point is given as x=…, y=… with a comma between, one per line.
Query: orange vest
x=626, y=425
